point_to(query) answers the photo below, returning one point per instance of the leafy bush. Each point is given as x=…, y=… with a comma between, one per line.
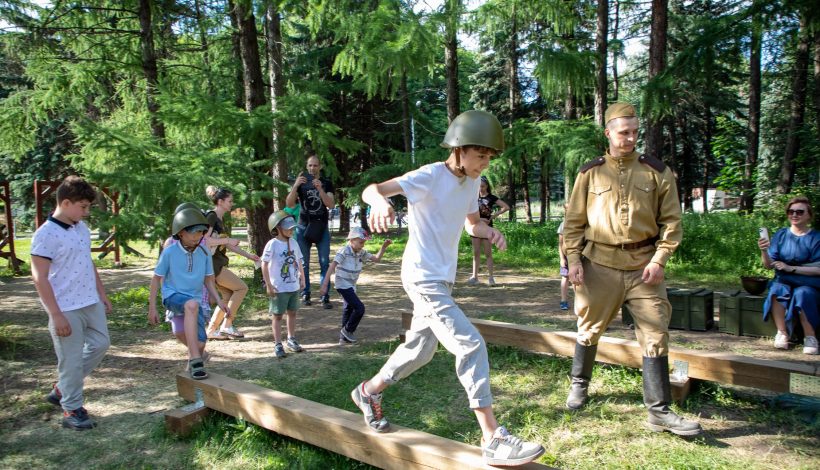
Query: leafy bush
x=717, y=247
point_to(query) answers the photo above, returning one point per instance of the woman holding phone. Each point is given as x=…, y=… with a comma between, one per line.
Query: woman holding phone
x=794, y=293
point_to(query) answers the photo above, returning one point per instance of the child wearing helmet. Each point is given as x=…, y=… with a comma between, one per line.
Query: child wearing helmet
x=178, y=321
x=349, y=259
x=181, y=270
x=442, y=198
x=282, y=270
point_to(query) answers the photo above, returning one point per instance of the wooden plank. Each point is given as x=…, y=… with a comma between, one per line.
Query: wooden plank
x=337, y=430
x=181, y=421
x=724, y=368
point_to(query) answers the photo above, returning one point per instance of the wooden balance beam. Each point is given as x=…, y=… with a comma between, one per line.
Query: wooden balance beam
x=337, y=430
x=731, y=369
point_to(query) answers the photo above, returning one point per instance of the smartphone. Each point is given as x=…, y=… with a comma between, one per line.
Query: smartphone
x=764, y=234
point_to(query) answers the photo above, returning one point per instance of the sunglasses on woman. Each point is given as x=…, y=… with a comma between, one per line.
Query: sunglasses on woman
x=797, y=212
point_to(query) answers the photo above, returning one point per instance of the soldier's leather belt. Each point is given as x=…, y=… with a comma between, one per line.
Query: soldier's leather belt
x=635, y=245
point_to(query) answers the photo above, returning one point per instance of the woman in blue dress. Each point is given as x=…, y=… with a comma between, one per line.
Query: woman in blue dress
x=794, y=254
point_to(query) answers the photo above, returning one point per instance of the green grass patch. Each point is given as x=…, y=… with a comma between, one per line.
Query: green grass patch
x=13, y=340
x=529, y=391
x=130, y=310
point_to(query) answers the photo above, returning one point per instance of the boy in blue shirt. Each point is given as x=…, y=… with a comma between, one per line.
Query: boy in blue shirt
x=182, y=269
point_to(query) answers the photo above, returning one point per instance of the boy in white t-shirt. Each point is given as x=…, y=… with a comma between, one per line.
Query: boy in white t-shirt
x=443, y=198
x=282, y=270
x=72, y=294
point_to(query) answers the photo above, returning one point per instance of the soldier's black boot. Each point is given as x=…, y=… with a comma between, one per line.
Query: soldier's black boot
x=657, y=396
x=580, y=376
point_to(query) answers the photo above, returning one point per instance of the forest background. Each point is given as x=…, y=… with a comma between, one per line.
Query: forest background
x=157, y=99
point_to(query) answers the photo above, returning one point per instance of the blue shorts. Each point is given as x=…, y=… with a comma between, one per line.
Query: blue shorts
x=176, y=304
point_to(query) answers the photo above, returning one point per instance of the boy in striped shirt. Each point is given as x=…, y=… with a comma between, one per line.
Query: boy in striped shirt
x=347, y=265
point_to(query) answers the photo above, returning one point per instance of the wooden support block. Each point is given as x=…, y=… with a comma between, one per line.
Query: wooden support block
x=337, y=430
x=681, y=389
x=181, y=421
x=723, y=368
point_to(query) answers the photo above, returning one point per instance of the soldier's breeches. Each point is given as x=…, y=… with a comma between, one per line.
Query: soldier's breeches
x=599, y=299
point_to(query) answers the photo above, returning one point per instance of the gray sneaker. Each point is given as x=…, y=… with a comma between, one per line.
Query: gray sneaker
x=293, y=345
x=78, y=420
x=506, y=450
x=347, y=335
x=279, y=350
x=371, y=406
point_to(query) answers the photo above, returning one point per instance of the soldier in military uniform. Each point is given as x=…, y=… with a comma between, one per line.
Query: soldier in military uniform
x=622, y=225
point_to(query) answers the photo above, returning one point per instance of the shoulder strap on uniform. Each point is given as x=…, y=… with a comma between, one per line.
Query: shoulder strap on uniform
x=653, y=162
x=592, y=164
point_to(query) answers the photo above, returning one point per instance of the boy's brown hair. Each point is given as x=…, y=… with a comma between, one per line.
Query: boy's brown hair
x=74, y=189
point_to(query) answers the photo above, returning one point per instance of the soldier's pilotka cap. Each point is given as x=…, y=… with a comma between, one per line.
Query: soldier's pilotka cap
x=619, y=110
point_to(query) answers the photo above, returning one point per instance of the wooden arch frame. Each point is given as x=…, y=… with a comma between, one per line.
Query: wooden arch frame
x=7, y=236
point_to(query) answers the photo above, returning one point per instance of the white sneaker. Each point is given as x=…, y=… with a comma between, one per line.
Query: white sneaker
x=810, y=345
x=781, y=341
x=491, y=282
x=506, y=450
x=472, y=281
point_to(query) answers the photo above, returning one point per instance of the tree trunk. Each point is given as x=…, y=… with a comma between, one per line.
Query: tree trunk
x=817, y=82
x=570, y=105
x=254, y=88
x=657, y=62
x=525, y=176
x=149, y=69
x=203, y=43
x=511, y=193
x=513, y=97
x=451, y=64
x=798, y=110
x=405, y=114
x=686, y=163
x=753, y=133
x=601, y=52
x=542, y=189
x=708, y=156
x=615, y=81
x=273, y=46
x=236, y=51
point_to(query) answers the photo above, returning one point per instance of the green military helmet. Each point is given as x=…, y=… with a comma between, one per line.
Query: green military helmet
x=475, y=128
x=187, y=218
x=281, y=217
x=186, y=205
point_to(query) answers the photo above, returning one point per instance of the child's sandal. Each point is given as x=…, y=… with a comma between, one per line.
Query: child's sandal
x=198, y=369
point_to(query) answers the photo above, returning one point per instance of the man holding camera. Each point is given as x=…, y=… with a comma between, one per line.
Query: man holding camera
x=315, y=196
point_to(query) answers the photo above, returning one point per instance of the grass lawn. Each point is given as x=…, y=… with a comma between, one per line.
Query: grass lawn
x=530, y=390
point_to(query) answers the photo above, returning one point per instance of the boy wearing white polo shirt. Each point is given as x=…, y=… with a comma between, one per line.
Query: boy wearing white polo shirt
x=443, y=200
x=72, y=294
x=347, y=266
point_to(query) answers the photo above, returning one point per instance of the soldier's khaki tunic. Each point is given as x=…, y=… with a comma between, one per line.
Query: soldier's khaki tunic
x=622, y=201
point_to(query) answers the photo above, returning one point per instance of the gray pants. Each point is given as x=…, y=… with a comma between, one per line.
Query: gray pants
x=436, y=317
x=80, y=352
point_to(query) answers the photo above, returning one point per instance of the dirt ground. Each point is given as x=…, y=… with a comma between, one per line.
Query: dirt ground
x=134, y=384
